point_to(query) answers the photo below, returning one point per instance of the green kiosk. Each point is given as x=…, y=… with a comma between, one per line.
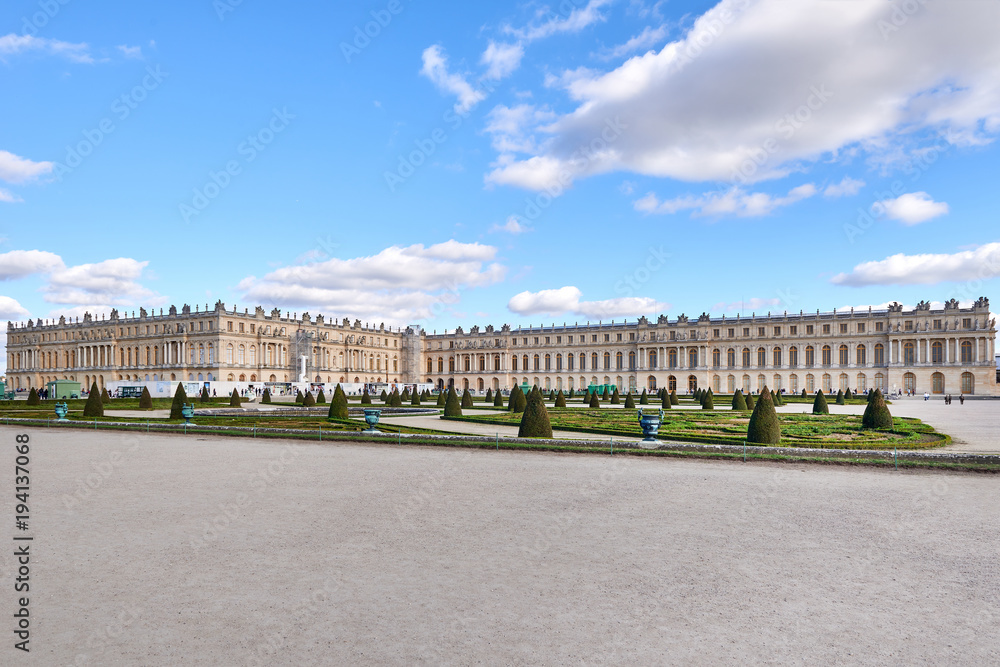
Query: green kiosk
x=63, y=389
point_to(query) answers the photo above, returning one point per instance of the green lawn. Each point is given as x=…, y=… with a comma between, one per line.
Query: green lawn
x=726, y=427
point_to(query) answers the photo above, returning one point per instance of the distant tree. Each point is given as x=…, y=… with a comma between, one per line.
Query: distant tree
x=616, y=399
x=395, y=399
x=405, y=396
x=234, y=400
x=383, y=396
x=673, y=397
x=629, y=401
x=877, y=415
x=570, y=394
x=643, y=399
x=607, y=395
x=594, y=401
x=819, y=404
x=415, y=399
x=560, y=400
x=265, y=398
x=33, y=398
x=180, y=398
x=804, y=394
x=764, y=428
x=338, y=404
x=707, y=400
x=105, y=397
x=145, y=400
x=489, y=396
x=452, y=406
x=840, y=397
x=321, y=397
x=442, y=398
x=94, y=407
x=205, y=398
x=467, y=399
x=498, y=400
x=739, y=401
x=848, y=395
x=308, y=401
x=751, y=403
x=535, y=419
x=299, y=397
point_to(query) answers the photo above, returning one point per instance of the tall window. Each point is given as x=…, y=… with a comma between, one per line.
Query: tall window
x=761, y=357
x=731, y=358
x=558, y=362
x=593, y=361
x=746, y=357
x=880, y=356
x=631, y=361
x=583, y=363
x=810, y=357
x=968, y=383
x=909, y=354
x=937, y=353
x=607, y=361
x=652, y=359
x=860, y=355
x=844, y=356
x=619, y=361
x=672, y=358
x=827, y=355
x=776, y=357
x=967, y=352
x=693, y=358
x=537, y=362
x=793, y=356
x=716, y=358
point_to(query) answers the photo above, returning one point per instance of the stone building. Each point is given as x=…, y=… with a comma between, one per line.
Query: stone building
x=936, y=351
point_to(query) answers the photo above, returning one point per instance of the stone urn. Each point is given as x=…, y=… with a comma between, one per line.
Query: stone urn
x=650, y=425
x=61, y=410
x=187, y=411
x=371, y=418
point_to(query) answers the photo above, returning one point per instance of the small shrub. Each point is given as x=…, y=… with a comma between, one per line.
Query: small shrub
x=205, y=398
x=560, y=400
x=594, y=401
x=819, y=404
x=308, y=401
x=265, y=398
x=673, y=397
x=877, y=415
x=145, y=400
x=467, y=399
x=442, y=398
x=840, y=397
x=615, y=398
x=739, y=401
x=498, y=400
x=234, y=400
x=452, y=406
x=321, y=398
x=644, y=398
x=383, y=396
x=180, y=398
x=764, y=428
x=665, y=401
x=299, y=397
x=489, y=395
x=105, y=397
x=33, y=398
x=366, y=398
x=94, y=406
x=751, y=402
x=338, y=404
x=629, y=401
x=535, y=419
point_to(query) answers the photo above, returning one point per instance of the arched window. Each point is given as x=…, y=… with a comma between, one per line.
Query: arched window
x=731, y=384
x=793, y=356
x=827, y=356
x=430, y=366
x=716, y=384
x=731, y=358
x=761, y=381
x=229, y=353
x=909, y=354
x=860, y=355
x=776, y=357
x=793, y=383
x=716, y=358
x=810, y=383
x=451, y=364
x=253, y=355
x=843, y=355
x=548, y=362
x=937, y=354
x=241, y=354
x=879, y=355
x=559, y=362
x=570, y=362
x=827, y=388
x=810, y=358
x=440, y=363
x=693, y=358
x=671, y=383
x=968, y=383
x=593, y=362
x=761, y=357
x=619, y=361
x=607, y=361
x=937, y=383
x=631, y=361
x=880, y=382
x=692, y=384
x=967, y=356
x=844, y=384
x=583, y=365
x=862, y=383
x=672, y=358
x=910, y=382
x=746, y=357
x=537, y=361
x=652, y=358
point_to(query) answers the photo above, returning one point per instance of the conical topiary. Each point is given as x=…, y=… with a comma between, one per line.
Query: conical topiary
x=383, y=396
x=452, y=406
x=804, y=394
x=180, y=398
x=643, y=398
x=265, y=398
x=145, y=400
x=366, y=398
x=308, y=401
x=489, y=395
x=405, y=396
x=594, y=401
x=751, y=403
x=522, y=401
x=665, y=401
x=205, y=398
x=512, y=399
x=570, y=394
x=629, y=401
x=535, y=419
x=105, y=397
x=395, y=400
x=877, y=415
x=442, y=398
x=673, y=397
x=466, y=399
x=415, y=399
x=607, y=395
x=819, y=404
x=840, y=397
x=739, y=401
x=498, y=399
x=616, y=399
x=552, y=395
x=299, y=397
x=321, y=398
x=234, y=400
x=779, y=398
x=560, y=400
x=94, y=407
x=33, y=398
x=338, y=404
x=848, y=395
x=707, y=400
x=764, y=428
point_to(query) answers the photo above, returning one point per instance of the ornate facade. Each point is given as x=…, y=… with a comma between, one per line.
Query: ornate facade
x=935, y=351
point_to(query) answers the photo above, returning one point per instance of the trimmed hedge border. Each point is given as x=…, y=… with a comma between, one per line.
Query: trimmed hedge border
x=905, y=458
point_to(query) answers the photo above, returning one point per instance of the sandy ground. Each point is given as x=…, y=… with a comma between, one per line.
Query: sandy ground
x=221, y=551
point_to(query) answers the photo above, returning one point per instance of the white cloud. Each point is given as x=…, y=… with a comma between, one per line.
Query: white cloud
x=552, y=24
x=15, y=169
x=435, y=68
x=130, y=51
x=566, y=300
x=743, y=78
x=501, y=59
x=734, y=201
x=10, y=309
x=21, y=263
x=9, y=197
x=512, y=226
x=113, y=282
x=848, y=187
x=969, y=265
x=756, y=304
x=911, y=209
x=400, y=283
x=509, y=127
x=13, y=44
x=650, y=36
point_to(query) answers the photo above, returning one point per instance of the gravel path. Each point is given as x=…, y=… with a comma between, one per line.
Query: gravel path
x=221, y=551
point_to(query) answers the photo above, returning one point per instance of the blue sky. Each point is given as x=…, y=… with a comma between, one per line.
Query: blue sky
x=506, y=162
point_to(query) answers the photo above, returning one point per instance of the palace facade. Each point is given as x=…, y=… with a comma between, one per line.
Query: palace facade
x=950, y=350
